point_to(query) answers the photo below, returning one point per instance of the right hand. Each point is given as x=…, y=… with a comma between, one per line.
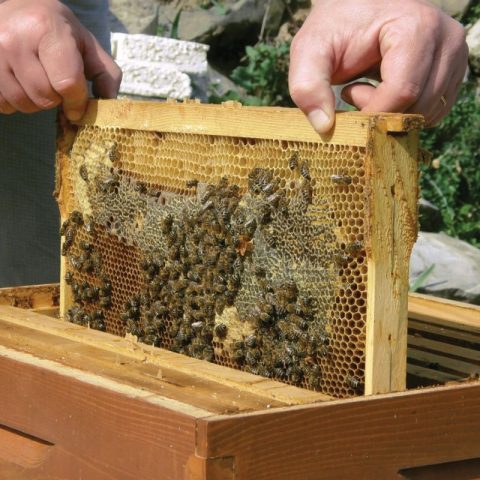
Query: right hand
x=46, y=58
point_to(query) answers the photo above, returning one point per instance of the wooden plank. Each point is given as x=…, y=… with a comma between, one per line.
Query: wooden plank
x=446, y=348
x=178, y=386
x=432, y=377
x=444, y=312
x=442, y=362
x=231, y=119
x=362, y=438
x=390, y=231
x=34, y=296
x=242, y=382
x=448, y=334
x=95, y=429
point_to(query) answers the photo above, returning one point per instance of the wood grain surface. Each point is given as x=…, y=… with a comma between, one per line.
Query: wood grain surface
x=364, y=438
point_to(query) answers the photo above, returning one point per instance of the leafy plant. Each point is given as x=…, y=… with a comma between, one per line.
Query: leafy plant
x=420, y=280
x=263, y=78
x=452, y=181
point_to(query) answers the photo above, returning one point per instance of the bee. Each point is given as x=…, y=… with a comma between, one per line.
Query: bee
x=85, y=246
x=340, y=259
x=167, y=224
x=208, y=354
x=354, y=383
x=270, y=188
x=265, y=214
x=354, y=246
x=270, y=239
x=198, y=326
x=106, y=302
x=223, y=183
x=293, y=161
x=251, y=341
x=140, y=187
x=76, y=217
x=305, y=170
x=206, y=206
x=306, y=192
x=252, y=357
x=341, y=179
x=108, y=183
x=133, y=327
x=76, y=262
x=192, y=183
x=69, y=278
x=207, y=334
x=113, y=153
x=221, y=330
x=64, y=227
x=274, y=199
x=89, y=225
x=238, y=353
x=83, y=172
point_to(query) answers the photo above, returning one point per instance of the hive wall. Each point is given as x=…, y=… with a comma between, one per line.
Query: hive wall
x=248, y=252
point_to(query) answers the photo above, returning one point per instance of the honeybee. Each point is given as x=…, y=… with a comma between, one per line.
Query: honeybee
x=192, y=183
x=113, y=153
x=293, y=161
x=76, y=217
x=140, y=187
x=354, y=383
x=89, y=225
x=251, y=341
x=306, y=192
x=341, y=179
x=305, y=170
x=83, y=171
x=221, y=330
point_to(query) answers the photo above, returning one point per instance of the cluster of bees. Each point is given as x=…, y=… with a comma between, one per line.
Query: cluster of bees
x=89, y=299
x=287, y=342
x=195, y=278
x=198, y=273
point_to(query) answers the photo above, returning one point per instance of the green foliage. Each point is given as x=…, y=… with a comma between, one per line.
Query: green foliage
x=452, y=181
x=264, y=77
x=419, y=282
x=472, y=14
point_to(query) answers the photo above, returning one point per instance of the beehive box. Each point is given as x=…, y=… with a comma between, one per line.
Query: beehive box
x=76, y=403
x=240, y=236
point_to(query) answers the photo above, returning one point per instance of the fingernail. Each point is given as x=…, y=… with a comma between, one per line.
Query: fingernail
x=74, y=115
x=319, y=120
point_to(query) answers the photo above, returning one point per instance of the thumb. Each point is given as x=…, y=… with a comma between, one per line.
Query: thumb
x=311, y=66
x=100, y=68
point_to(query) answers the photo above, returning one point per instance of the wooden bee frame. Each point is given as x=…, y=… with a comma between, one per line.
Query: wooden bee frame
x=387, y=146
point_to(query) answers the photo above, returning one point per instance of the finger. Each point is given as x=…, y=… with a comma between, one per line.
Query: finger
x=34, y=81
x=450, y=89
x=358, y=94
x=450, y=96
x=5, y=107
x=14, y=93
x=309, y=81
x=100, y=68
x=405, y=68
x=63, y=65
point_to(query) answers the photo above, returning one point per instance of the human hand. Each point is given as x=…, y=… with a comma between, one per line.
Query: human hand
x=417, y=52
x=46, y=56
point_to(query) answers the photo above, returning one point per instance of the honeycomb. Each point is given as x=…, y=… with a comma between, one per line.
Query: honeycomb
x=244, y=252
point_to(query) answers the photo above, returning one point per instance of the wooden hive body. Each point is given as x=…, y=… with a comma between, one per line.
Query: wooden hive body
x=341, y=219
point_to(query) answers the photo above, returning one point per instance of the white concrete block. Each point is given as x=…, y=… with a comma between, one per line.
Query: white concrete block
x=153, y=80
x=188, y=57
